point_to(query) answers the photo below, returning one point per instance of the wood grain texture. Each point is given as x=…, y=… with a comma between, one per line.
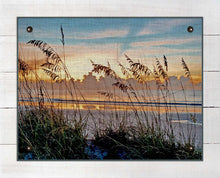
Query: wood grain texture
x=211, y=125
x=8, y=126
x=10, y=168
x=211, y=89
x=211, y=46
x=10, y=9
x=8, y=56
x=8, y=90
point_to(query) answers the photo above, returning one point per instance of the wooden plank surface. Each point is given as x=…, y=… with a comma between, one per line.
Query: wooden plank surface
x=8, y=126
x=10, y=9
x=211, y=89
x=211, y=54
x=10, y=168
x=8, y=54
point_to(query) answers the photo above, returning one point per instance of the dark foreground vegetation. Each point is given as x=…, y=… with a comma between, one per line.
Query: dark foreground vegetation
x=47, y=136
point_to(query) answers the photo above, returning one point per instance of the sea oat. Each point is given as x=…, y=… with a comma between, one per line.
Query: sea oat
x=121, y=86
x=185, y=68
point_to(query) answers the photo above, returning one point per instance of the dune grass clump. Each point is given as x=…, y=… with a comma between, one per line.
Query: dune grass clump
x=47, y=135
x=148, y=146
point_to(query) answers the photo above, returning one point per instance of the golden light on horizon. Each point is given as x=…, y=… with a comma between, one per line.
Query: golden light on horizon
x=107, y=107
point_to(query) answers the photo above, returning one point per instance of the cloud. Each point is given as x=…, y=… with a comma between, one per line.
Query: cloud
x=160, y=51
x=164, y=42
x=90, y=83
x=91, y=88
x=100, y=34
x=163, y=25
x=145, y=31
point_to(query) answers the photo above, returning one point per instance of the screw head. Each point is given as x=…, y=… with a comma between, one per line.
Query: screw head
x=190, y=29
x=29, y=29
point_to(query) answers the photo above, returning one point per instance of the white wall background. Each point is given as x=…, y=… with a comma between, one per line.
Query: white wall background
x=209, y=9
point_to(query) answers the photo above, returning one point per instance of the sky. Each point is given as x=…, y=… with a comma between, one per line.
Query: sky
x=106, y=40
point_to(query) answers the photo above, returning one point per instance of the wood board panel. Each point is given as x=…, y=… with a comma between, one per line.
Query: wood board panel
x=10, y=9
x=11, y=168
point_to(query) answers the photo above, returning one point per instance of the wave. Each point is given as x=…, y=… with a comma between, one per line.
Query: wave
x=150, y=103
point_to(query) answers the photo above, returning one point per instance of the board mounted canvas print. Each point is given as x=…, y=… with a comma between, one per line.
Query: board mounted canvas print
x=117, y=88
